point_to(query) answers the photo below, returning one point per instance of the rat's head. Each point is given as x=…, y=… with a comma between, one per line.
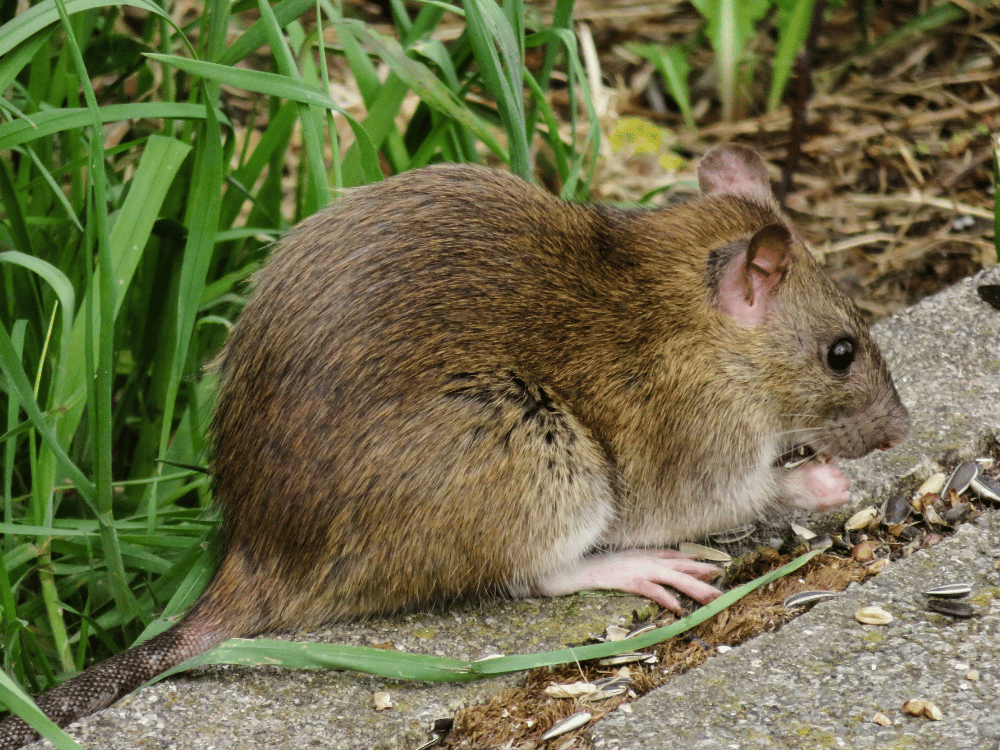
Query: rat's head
x=820, y=374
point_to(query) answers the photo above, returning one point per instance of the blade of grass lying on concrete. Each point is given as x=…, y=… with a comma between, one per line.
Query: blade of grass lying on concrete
x=399, y=665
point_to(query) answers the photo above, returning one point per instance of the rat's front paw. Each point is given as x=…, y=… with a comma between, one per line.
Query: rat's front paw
x=644, y=572
x=818, y=487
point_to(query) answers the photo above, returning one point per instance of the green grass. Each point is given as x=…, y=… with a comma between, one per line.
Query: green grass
x=122, y=265
x=123, y=259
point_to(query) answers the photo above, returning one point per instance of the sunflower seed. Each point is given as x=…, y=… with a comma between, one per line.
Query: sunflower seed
x=861, y=520
x=629, y=657
x=808, y=597
x=950, y=607
x=896, y=510
x=438, y=733
x=701, y=552
x=932, y=485
x=795, y=457
x=960, y=478
x=731, y=536
x=873, y=616
x=986, y=487
x=571, y=690
x=609, y=687
x=575, y=721
x=950, y=591
x=618, y=680
x=641, y=629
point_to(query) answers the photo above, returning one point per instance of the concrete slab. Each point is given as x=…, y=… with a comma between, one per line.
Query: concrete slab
x=816, y=683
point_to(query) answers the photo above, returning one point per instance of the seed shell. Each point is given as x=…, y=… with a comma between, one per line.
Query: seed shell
x=630, y=657
x=641, y=629
x=950, y=591
x=951, y=608
x=802, y=532
x=731, y=536
x=808, y=597
x=986, y=487
x=873, y=616
x=571, y=690
x=701, y=552
x=957, y=515
x=960, y=478
x=609, y=687
x=896, y=510
x=568, y=724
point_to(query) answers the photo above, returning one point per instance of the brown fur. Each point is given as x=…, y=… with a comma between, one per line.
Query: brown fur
x=451, y=383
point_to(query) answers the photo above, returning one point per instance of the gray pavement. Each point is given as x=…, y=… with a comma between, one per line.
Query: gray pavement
x=815, y=684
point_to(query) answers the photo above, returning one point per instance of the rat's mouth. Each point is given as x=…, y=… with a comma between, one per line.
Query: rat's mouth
x=799, y=455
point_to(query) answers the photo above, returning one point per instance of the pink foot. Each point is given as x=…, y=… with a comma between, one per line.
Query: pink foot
x=819, y=487
x=643, y=572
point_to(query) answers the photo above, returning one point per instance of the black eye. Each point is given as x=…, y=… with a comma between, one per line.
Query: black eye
x=840, y=355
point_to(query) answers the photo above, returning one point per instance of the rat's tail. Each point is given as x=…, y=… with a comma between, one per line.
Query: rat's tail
x=98, y=687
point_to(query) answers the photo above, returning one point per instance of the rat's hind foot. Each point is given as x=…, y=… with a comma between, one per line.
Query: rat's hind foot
x=644, y=572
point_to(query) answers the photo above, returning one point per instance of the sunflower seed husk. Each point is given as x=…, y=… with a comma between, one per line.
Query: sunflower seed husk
x=571, y=690
x=932, y=712
x=731, y=536
x=603, y=695
x=701, y=552
x=820, y=542
x=609, y=687
x=865, y=551
x=438, y=733
x=861, y=520
x=808, y=597
x=986, y=487
x=957, y=515
x=641, y=629
x=614, y=681
x=873, y=616
x=896, y=510
x=615, y=633
x=882, y=720
x=951, y=608
x=568, y=724
x=794, y=458
x=629, y=657
x=960, y=478
x=802, y=532
x=950, y=591
x=434, y=741
x=932, y=516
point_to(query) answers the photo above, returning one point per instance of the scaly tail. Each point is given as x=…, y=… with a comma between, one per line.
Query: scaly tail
x=104, y=683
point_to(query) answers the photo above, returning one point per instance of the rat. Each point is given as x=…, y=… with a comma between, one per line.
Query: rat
x=454, y=384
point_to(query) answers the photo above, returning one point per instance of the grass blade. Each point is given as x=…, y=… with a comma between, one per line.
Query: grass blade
x=407, y=666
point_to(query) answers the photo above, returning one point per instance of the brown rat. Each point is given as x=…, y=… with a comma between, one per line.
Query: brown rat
x=452, y=384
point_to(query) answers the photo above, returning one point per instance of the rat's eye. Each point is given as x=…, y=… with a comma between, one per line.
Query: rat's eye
x=840, y=355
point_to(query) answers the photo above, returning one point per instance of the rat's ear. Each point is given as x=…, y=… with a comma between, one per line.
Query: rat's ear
x=749, y=281
x=732, y=168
